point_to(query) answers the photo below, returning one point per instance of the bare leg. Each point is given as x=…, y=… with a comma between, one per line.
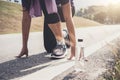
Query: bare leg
x=56, y=29
x=60, y=48
x=26, y=22
x=70, y=26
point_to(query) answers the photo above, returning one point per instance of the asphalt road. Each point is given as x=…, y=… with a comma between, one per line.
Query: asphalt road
x=15, y=69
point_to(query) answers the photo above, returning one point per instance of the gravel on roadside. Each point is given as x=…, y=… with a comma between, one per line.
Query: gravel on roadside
x=98, y=63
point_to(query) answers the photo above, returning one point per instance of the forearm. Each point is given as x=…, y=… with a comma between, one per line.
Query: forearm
x=69, y=22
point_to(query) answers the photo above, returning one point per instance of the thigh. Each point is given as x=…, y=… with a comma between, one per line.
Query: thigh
x=67, y=12
x=66, y=7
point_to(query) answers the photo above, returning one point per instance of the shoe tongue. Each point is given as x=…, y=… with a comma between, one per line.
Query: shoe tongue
x=60, y=42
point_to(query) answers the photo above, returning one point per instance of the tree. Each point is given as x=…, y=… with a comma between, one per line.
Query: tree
x=100, y=17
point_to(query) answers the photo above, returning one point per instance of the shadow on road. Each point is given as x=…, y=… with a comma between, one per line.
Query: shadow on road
x=21, y=67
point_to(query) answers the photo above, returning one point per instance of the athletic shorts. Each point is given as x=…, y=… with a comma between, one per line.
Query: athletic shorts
x=61, y=2
x=26, y=4
x=49, y=18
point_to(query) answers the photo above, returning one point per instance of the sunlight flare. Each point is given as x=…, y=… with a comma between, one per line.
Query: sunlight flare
x=112, y=1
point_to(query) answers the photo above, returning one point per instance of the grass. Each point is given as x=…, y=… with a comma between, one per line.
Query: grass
x=113, y=73
x=11, y=17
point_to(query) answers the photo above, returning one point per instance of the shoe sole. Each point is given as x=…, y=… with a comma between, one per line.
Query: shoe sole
x=59, y=57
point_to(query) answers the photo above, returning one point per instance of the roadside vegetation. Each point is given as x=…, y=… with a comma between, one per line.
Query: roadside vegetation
x=109, y=14
x=11, y=17
x=113, y=72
